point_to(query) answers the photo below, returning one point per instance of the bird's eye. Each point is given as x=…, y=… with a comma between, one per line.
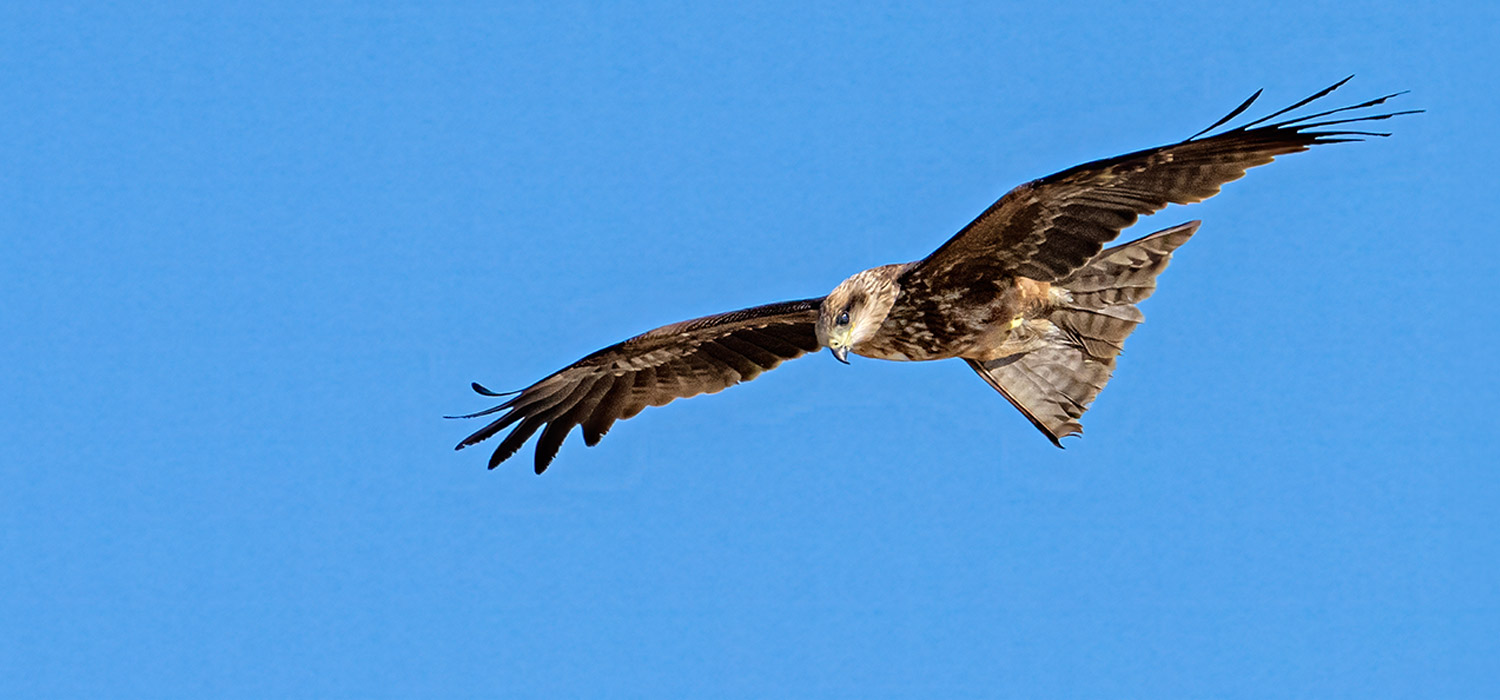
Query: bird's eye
x=844, y=318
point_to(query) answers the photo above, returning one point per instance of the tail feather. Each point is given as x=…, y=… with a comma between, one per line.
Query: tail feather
x=1054, y=385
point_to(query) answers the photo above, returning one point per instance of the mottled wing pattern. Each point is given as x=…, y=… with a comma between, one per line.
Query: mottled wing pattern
x=1054, y=385
x=1046, y=228
x=684, y=359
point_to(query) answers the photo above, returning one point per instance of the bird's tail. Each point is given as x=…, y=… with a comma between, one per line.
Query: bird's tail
x=1053, y=385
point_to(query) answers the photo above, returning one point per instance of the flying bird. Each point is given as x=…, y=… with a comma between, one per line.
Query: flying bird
x=1026, y=294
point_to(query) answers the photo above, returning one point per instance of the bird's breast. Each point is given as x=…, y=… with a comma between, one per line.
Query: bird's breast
x=1007, y=318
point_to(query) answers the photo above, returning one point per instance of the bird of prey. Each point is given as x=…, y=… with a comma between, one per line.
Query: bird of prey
x=1026, y=294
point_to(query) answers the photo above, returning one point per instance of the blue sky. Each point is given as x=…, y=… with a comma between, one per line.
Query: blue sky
x=254, y=251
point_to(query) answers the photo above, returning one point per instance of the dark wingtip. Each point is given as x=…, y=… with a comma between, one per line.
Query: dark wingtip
x=477, y=414
x=541, y=467
x=1237, y=111
x=1302, y=123
x=483, y=391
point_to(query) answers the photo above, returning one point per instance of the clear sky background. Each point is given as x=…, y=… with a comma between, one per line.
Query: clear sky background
x=253, y=252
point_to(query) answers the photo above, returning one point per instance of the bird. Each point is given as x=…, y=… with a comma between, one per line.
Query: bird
x=1026, y=294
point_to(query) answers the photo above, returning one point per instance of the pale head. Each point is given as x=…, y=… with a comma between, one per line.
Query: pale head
x=854, y=310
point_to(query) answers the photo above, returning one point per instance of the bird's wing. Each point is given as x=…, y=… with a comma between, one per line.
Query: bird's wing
x=684, y=359
x=1049, y=227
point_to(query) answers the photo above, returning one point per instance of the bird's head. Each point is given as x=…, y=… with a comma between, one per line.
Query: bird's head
x=854, y=310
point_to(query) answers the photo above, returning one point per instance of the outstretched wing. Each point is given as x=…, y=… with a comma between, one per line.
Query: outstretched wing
x=1049, y=227
x=685, y=359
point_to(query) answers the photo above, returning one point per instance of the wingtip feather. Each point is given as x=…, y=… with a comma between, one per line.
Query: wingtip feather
x=482, y=390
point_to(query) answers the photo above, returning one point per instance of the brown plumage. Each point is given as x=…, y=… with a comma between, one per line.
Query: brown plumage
x=1026, y=294
x=1054, y=382
x=685, y=359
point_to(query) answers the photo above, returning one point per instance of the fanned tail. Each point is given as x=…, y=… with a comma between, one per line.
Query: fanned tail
x=1054, y=385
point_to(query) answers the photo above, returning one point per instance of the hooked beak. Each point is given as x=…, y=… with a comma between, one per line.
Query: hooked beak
x=840, y=353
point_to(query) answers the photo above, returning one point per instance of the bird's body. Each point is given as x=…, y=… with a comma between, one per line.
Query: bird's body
x=1026, y=294
x=983, y=322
